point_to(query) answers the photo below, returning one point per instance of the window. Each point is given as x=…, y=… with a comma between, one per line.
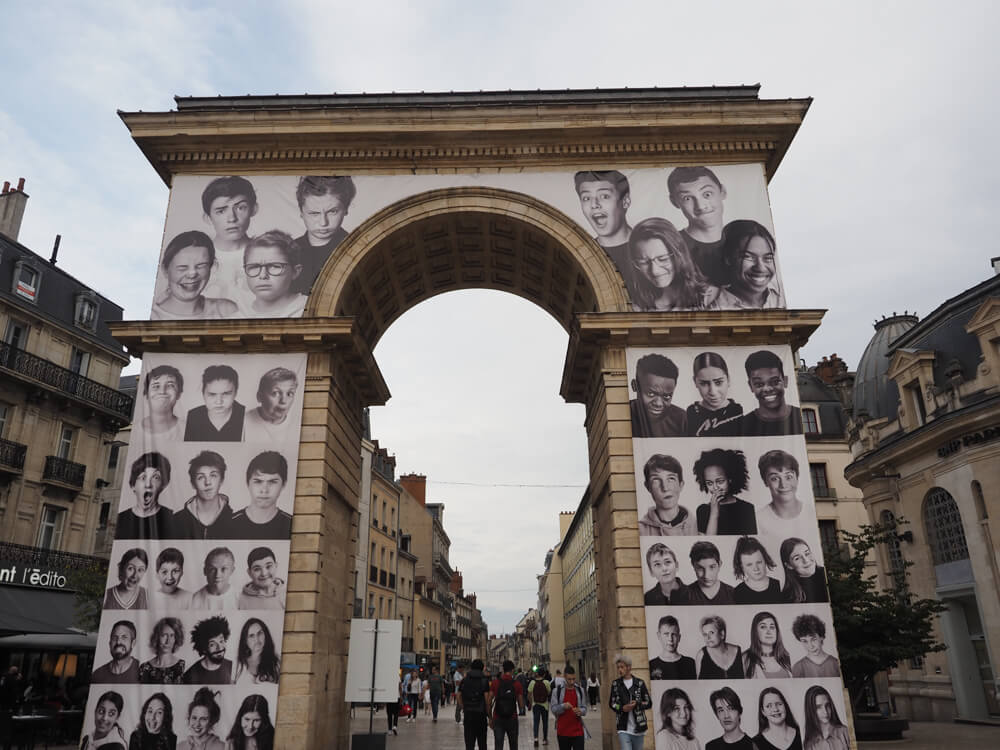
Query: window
x=943, y=524
x=893, y=550
x=977, y=496
x=102, y=521
x=817, y=472
x=27, y=281
x=828, y=537
x=51, y=528
x=809, y=422
x=916, y=399
x=113, y=455
x=6, y=412
x=16, y=334
x=65, y=448
x=79, y=361
x=85, y=311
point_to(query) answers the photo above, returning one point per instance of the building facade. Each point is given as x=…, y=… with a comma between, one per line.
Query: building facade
x=926, y=444
x=583, y=647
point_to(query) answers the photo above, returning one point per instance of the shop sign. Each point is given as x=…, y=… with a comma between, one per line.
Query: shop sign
x=17, y=574
x=973, y=438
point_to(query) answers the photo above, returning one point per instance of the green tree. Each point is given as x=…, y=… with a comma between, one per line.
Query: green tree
x=876, y=628
x=88, y=581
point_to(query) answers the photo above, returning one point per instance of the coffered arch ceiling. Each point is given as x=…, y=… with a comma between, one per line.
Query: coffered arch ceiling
x=465, y=238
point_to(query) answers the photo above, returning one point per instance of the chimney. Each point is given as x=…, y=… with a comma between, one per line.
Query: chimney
x=995, y=262
x=416, y=485
x=55, y=249
x=12, y=204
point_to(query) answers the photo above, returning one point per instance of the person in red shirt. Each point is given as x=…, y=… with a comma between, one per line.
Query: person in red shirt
x=507, y=698
x=569, y=705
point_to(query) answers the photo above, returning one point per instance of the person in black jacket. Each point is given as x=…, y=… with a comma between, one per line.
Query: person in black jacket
x=474, y=697
x=629, y=700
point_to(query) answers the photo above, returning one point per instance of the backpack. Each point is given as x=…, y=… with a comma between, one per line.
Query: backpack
x=539, y=693
x=506, y=701
x=472, y=690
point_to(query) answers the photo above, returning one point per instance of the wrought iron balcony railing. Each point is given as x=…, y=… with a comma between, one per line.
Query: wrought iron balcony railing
x=63, y=471
x=12, y=455
x=65, y=381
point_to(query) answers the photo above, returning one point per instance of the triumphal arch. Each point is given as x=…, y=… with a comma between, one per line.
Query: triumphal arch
x=562, y=197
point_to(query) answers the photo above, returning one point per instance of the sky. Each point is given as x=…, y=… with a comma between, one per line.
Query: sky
x=882, y=204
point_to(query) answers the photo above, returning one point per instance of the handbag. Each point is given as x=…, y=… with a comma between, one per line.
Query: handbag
x=405, y=710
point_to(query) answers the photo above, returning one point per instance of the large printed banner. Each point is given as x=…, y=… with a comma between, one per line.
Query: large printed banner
x=189, y=645
x=683, y=239
x=739, y=629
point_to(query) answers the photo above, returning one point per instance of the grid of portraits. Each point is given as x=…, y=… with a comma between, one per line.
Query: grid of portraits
x=190, y=636
x=682, y=238
x=772, y=714
x=734, y=586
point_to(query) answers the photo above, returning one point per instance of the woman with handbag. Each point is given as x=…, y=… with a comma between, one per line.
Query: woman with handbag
x=629, y=700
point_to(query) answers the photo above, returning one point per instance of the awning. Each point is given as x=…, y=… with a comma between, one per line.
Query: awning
x=72, y=641
x=34, y=611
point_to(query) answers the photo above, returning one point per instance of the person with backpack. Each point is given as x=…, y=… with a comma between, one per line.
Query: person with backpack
x=539, y=690
x=569, y=706
x=435, y=685
x=629, y=700
x=508, y=697
x=474, y=699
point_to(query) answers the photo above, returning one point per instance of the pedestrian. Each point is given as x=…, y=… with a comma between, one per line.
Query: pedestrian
x=457, y=678
x=508, y=697
x=539, y=690
x=413, y=694
x=436, y=689
x=593, y=689
x=392, y=708
x=629, y=700
x=569, y=706
x=425, y=696
x=11, y=689
x=474, y=698
x=524, y=678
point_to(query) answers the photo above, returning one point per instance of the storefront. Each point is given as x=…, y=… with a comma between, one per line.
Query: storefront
x=39, y=625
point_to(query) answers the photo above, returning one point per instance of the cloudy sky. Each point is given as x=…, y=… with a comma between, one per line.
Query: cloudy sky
x=883, y=203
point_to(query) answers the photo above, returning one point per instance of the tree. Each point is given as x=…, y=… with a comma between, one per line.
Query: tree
x=88, y=582
x=876, y=629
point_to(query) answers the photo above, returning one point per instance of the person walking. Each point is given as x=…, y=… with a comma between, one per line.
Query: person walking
x=593, y=689
x=413, y=694
x=539, y=690
x=569, y=706
x=435, y=685
x=457, y=679
x=629, y=700
x=474, y=699
x=392, y=709
x=508, y=697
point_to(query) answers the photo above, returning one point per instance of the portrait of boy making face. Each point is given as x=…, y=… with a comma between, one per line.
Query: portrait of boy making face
x=271, y=264
x=664, y=479
x=221, y=418
x=652, y=413
x=699, y=195
x=604, y=199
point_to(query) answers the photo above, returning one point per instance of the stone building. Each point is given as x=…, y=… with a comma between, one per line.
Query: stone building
x=926, y=444
x=583, y=644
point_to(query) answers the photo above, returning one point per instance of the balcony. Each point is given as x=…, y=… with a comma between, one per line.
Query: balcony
x=39, y=371
x=63, y=473
x=12, y=456
x=824, y=493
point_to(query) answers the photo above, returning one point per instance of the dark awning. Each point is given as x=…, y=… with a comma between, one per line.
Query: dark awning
x=24, y=610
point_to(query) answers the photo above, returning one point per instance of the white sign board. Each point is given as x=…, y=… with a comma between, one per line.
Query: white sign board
x=361, y=657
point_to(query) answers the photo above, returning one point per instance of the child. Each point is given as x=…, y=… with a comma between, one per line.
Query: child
x=670, y=664
x=722, y=474
x=221, y=417
x=773, y=416
x=652, y=413
x=708, y=589
x=271, y=264
x=664, y=480
x=604, y=199
x=699, y=195
x=716, y=414
x=323, y=205
x=267, y=475
x=265, y=590
x=751, y=563
x=810, y=631
x=187, y=266
x=229, y=203
x=669, y=589
x=780, y=472
x=663, y=275
x=169, y=571
x=217, y=594
x=751, y=277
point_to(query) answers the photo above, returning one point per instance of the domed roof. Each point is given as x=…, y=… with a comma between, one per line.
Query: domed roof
x=874, y=393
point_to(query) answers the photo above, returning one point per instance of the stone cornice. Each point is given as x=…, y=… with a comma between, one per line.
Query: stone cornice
x=327, y=335
x=387, y=140
x=667, y=329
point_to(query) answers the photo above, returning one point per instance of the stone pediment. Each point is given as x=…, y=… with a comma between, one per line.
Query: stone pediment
x=986, y=320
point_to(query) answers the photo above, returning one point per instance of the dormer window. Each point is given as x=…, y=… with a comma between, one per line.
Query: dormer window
x=810, y=425
x=27, y=281
x=85, y=310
